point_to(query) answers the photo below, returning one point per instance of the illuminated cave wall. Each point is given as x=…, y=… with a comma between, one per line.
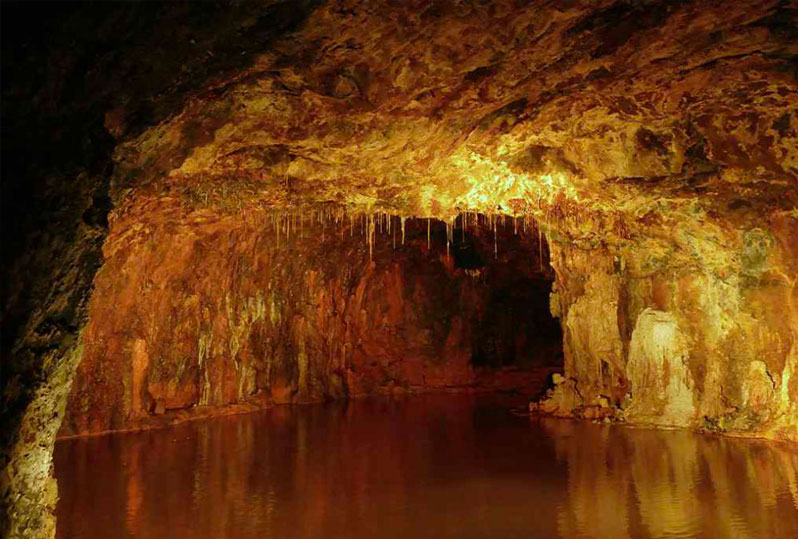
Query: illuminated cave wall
x=697, y=331
x=271, y=309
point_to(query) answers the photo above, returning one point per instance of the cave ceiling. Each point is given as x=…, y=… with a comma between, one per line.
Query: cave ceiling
x=433, y=108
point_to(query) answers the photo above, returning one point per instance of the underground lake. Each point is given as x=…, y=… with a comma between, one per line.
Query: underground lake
x=451, y=465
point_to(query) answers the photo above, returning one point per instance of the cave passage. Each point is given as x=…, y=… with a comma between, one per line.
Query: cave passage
x=300, y=308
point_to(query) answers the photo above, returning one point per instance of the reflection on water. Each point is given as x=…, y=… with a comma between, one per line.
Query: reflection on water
x=426, y=466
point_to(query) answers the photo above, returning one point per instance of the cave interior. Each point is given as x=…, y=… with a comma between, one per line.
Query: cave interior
x=214, y=208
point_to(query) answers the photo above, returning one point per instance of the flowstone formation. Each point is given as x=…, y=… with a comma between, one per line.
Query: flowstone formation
x=672, y=342
x=653, y=143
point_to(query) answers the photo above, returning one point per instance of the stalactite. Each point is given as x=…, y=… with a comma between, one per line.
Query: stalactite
x=495, y=244
x=371, y=228
x=540, y=247
x=448, y=231
x=428, y=234
x=403, y=231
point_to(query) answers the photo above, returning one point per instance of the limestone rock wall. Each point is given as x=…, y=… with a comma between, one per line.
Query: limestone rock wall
x=203, y=315
x=669, y=342
x=660, y=380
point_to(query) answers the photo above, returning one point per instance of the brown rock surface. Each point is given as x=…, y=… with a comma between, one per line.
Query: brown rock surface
x=274, y=309
x=701, y=344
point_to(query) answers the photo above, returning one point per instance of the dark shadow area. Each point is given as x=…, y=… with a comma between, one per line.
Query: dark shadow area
x=510, y=260
x=516, y=327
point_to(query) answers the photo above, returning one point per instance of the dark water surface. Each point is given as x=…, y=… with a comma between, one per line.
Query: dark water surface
x=424, y=466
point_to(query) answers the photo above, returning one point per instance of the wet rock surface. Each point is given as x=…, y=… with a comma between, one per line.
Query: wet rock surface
x=276, y=309
x=693, y=345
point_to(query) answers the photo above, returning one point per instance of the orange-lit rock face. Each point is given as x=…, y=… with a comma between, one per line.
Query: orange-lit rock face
x=191, y=313
x=422, y=108
x=656, y=143
x=655, y=342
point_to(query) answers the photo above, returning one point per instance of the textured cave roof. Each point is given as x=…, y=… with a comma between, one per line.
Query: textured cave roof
x=428, y=108
x=627, y=110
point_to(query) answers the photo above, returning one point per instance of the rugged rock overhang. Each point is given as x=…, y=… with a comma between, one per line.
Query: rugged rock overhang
x=653, y=142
